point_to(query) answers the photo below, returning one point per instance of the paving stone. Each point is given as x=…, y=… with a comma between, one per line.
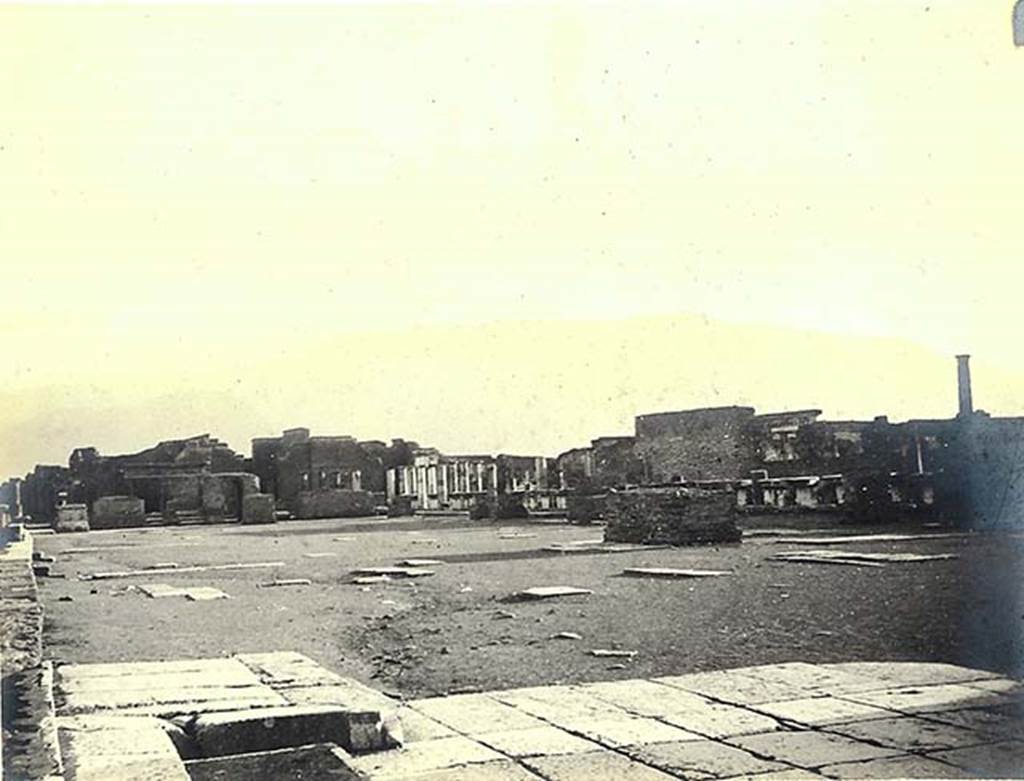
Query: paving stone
x=323, y=762
x=627, y=731
x=703, y=759
x=425, y=756
x=789, y=774
x=918, y=699
x=70, y=683
x=722, y=721
x=810, y=749
x=894, y=767
x=553, y=703
x=817, y=711
x=224, y=670
x=169, y=701
x=593, y=766
x=988, y=725
x=908, y=733
x=996, y=760
x=505, y=770
x=106, y=748
x=159, y=590
x=735, y=688
x=265, y=729
x=417, y=727
x=287, y=669
x=474, y=713
x=537, y=741
x=646, y=698
x=914, y=673
x=815, y=678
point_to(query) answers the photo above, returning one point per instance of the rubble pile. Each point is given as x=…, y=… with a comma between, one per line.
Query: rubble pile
x=677, y=516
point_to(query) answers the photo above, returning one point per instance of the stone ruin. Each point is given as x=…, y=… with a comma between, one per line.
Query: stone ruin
x=671, y=516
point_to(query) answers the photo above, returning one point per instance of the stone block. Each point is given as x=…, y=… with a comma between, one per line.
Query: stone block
x=265, y=729
x=258, y=508
x=625, y=731
x=72, y=518
x=101, y=748
x=117, y=512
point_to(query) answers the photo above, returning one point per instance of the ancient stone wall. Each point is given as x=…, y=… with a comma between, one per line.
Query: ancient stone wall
x=339, y=503
x=704, y=444
x=115, y=512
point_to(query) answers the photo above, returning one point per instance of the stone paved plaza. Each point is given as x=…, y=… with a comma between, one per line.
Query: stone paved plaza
x=791, y=720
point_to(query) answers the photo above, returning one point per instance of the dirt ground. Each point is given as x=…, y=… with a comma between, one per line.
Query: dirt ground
x=456, y=630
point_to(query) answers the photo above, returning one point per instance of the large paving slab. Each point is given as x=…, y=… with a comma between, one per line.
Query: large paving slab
x=810, y=749
x=704, y=759
x=104, y=748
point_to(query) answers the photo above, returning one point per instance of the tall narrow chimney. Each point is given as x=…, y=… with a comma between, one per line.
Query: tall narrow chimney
x=963, y=376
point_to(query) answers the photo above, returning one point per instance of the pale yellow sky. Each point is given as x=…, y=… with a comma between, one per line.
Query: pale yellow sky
x=500, y=227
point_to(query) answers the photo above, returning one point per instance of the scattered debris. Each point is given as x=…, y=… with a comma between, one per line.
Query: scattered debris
x=668, y=572
x=616, y=666
x=342, y=539
x=166, y=565
x=420, y=562
x=394, y=572
x=869, y=538
x=132, y=573
x=424, y=541
x=465, y=589
x=566, y=636
x=504, y=615
x=66, y=598
x=319, y=555
x=287, y=582
x=611, y=653
x=548, y=592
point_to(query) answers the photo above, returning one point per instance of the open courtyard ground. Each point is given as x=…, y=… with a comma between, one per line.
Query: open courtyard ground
x=458, y=630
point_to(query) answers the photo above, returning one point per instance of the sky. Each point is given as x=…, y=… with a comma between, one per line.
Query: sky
x=500, y=227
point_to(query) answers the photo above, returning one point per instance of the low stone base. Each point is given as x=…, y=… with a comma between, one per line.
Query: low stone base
x=680, y=516
x=258, y=508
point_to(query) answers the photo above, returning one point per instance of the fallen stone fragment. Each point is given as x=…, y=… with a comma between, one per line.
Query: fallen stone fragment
x=133, y=573
x=566, y=636
x=610, y=653
x=864, y=559
x=166, y=565
x=324, y=555
x=370, y=579
x=549, y=592
x=668, y=572
x=394, y=572
x=287, y=582
x=420, y=562
x=158, y=590
x=869, y=538
x=204, y=594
